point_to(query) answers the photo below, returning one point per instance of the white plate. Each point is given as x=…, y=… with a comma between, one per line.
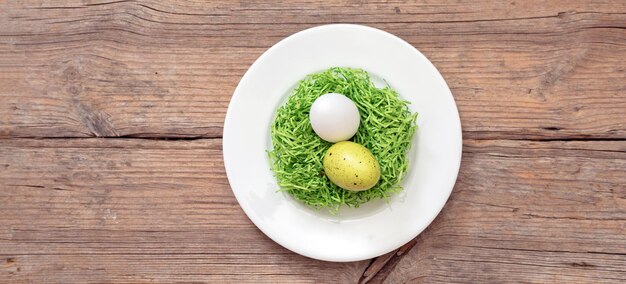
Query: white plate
x=377, y=227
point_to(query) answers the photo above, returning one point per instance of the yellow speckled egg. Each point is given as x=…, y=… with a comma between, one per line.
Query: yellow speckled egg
x=351, y=166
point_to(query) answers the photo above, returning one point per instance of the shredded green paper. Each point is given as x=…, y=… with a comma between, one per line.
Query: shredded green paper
x=387, y=127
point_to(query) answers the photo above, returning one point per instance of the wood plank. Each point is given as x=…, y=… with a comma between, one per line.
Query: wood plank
x=75, y=210
x=529, y=212
x=123, y=68
x=112, y=210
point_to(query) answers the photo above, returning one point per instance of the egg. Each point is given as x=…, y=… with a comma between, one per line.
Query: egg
x=351, y=166
x=334, y=117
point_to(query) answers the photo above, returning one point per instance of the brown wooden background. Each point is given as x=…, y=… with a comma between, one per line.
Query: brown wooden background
x=111, y=114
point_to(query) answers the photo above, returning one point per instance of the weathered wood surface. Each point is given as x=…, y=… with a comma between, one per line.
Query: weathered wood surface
x=138, y=210
x=152, y=68
x=541, y=89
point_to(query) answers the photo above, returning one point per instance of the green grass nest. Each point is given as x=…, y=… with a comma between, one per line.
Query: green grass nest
x=387, y=127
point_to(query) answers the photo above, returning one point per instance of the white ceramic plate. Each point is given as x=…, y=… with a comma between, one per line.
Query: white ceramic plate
x=377, y=227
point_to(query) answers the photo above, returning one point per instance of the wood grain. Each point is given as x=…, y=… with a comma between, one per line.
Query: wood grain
x=540, y=87
x=77, y=210
x=116, y=210
x=563, y=221
x=156, y=69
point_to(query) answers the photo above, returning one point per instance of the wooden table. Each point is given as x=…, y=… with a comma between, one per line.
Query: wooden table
x=111, y=114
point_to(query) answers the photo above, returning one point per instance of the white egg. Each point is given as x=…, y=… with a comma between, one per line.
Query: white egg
x=334, y=117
